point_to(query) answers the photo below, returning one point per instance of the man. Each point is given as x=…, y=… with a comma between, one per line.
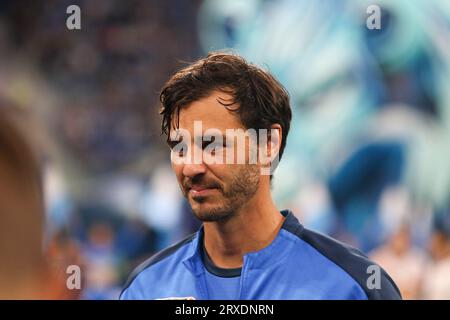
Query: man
x=246, y=248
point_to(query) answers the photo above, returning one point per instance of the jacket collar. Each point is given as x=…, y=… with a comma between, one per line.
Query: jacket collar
x=275, y=251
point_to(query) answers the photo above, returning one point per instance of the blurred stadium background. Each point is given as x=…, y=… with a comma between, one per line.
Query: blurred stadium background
x=368, y=155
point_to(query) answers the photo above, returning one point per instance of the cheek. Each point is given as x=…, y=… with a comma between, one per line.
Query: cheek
x=217, y=171
x=225, y=173
x=178, y=170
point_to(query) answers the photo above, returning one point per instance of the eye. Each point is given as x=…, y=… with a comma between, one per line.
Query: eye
x=214, y=144
x=180, y=153
x=178, y=148
x=182, y=149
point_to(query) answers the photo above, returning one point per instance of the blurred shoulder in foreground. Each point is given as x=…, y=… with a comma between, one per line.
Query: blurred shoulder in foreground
x=24, y=268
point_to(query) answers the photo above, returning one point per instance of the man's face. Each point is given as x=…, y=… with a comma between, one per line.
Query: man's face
x=214, y=191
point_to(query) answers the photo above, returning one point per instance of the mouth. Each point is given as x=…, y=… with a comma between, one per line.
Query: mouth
x=201, y=191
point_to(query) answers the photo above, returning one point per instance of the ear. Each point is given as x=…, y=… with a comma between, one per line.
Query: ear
x=274, y=141
x=268, y=156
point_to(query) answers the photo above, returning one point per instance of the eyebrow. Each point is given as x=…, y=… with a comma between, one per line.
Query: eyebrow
x=172, y=143
x=209, y=136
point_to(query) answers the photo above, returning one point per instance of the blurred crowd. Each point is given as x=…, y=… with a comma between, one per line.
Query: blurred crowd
x=369, y=143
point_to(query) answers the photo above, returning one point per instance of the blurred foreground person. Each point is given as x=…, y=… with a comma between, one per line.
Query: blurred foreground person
x=404, y=262
x=246, y=248
x=436, y=284
x=24, y=270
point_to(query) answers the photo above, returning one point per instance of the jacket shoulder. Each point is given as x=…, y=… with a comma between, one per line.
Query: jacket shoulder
x=157, y=257
x=357, y=265
x=371, y=277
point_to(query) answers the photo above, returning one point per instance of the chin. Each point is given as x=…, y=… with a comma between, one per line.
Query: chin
x=210, y=213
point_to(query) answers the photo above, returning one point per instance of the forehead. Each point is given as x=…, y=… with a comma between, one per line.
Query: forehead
x=210, y=112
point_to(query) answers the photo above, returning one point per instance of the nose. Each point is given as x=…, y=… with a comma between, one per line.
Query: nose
x=192, y=170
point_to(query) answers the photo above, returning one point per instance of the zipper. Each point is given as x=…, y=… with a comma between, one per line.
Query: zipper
x=246, y=266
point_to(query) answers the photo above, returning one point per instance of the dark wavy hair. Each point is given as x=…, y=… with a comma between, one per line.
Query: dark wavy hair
x=258, y=99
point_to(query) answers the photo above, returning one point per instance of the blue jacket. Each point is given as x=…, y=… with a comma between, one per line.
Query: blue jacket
x=298, y=264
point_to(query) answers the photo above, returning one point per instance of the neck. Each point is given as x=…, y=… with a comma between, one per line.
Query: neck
x=252, y=228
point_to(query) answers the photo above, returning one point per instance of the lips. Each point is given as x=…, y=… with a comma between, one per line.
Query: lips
x=199, y=190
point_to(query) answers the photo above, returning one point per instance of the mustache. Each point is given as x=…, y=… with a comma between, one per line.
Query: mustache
x=188, y=183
